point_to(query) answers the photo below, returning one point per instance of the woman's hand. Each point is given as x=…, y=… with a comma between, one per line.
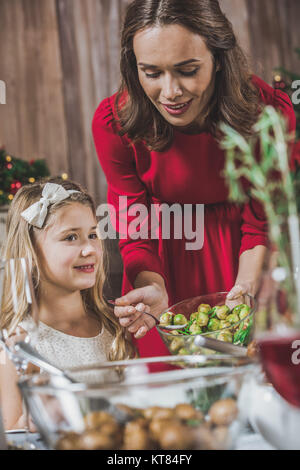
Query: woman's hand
x=240, y=289
x=236, y=294
x=249, y=274
x=131, y=308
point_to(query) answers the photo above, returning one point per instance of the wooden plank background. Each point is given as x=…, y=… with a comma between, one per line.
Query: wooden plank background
x=60, y=58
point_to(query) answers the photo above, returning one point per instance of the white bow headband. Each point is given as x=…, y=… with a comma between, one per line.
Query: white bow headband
x=52, y=194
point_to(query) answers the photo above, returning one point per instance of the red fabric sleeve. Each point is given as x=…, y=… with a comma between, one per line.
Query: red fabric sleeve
x=117, y=160
x=254, y=226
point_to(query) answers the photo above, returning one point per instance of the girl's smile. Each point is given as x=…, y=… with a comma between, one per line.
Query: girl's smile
x=86, y=268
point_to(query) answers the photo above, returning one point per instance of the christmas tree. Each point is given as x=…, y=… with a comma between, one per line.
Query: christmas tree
x=15, y=173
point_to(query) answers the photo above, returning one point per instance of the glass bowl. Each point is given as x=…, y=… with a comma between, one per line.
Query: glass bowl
x=238, y=333
x=177, y=408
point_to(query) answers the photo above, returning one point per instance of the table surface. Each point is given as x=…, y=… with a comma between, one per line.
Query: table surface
x=248, y=441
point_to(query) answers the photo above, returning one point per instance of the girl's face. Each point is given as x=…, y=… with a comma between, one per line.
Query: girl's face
x=176, y=71
x=69, y=249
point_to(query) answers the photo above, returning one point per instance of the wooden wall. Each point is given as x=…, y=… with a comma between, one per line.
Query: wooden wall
x=60, y=58
x=269, y=32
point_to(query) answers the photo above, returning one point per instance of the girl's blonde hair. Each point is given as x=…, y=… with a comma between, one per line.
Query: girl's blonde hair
x=20, y=243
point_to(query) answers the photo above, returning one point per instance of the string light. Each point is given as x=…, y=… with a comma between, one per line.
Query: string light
x=31, y=180
x=277, y=78
x=10, y=197
x=64, y=176
x=8, y=158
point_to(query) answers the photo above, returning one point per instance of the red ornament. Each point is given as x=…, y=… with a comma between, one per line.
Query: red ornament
x=15, y=186
x=31, y=162
x=279, y=84
x=9, y=166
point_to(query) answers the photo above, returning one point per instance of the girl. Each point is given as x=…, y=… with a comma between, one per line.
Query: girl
x=53, y=224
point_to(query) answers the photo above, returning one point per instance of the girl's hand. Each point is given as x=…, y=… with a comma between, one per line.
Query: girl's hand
x=152, y=299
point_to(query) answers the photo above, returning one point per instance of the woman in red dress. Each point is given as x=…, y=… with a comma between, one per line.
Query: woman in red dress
x=158, y=143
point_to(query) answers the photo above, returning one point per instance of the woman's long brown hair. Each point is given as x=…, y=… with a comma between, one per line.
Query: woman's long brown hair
x=235, y=99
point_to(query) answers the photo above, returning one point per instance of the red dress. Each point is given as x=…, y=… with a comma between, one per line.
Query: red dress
x=190, y=172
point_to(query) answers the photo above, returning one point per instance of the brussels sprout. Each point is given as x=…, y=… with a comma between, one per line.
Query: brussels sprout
x=213, y=324
x=179, y=319
x=233, y=318
x=225, y=336
x=244, y=312
x=238, y=308
x=176, y=344
x=204, y=308
x=166, y=319
x=222, y=311
x=195, y=329
x=202, y=319
x=183, y=352
x=194, y=316
x=224, y=324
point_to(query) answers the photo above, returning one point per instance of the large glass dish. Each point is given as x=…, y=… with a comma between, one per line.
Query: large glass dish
x=191, y=403
x=239, y=333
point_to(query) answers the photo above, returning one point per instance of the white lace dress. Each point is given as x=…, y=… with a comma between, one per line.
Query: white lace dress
x=66, y=351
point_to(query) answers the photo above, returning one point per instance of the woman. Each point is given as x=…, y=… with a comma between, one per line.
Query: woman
x=157, y=140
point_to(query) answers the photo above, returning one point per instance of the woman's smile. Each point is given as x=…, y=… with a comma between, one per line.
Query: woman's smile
x=177, y=109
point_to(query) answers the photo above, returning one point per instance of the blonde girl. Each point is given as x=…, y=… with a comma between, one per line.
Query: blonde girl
x=53, y=224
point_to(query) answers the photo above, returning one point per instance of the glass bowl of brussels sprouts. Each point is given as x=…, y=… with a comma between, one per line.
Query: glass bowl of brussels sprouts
x=211, y=315
x=191, y=402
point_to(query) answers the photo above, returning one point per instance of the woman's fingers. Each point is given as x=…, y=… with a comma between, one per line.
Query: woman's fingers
x=127, y=321
x=128, y=311
x=236, y=292
x=135, y=319
x=135, y=297
x=142, y=325
x=141, y=332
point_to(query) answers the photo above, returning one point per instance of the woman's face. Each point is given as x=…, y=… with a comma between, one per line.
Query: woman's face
x=176, y=71
x=69, y=250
